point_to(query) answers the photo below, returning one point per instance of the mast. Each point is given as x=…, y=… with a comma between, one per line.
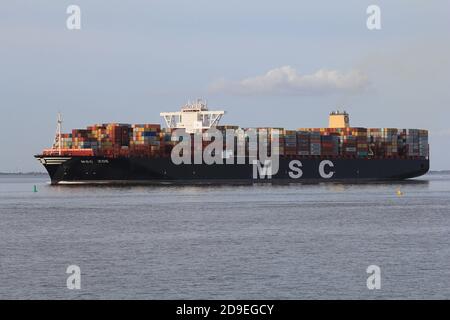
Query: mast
x=57, y=142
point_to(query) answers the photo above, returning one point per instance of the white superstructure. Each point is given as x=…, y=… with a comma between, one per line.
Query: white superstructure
x=192, y=117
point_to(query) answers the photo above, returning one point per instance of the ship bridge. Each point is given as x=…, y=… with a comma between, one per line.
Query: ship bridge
x=192, y=117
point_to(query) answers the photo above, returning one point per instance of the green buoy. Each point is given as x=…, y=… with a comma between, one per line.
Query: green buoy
x=35, y=188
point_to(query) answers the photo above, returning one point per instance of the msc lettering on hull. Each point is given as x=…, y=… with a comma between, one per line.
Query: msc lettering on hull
x=264, y=170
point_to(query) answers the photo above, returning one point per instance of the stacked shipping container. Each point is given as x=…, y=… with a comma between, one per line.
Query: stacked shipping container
x=290, y=142
x=303, y=143
x=146, y=140
x=115, y=139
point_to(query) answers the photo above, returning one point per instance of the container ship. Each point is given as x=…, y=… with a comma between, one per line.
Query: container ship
x=146, y=153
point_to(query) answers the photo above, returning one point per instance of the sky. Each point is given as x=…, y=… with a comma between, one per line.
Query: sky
x=266, y=63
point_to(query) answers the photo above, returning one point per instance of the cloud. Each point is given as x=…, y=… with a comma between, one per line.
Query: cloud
x=286, y=80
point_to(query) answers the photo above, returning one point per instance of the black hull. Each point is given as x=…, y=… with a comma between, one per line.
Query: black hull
x=93, y=170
